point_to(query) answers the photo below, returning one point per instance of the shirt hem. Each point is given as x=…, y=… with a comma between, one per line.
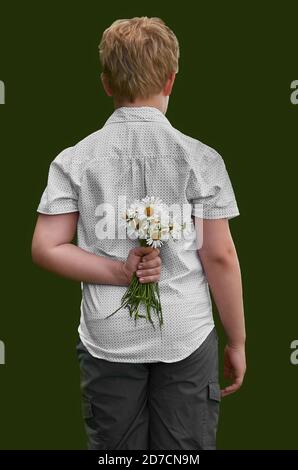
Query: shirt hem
x=125, y=360
x=41, y=211
x=230, y=215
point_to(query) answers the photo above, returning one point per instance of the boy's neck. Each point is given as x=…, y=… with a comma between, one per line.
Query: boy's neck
x=159, y=101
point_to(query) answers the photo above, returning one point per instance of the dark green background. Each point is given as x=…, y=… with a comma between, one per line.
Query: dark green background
x=232, y=92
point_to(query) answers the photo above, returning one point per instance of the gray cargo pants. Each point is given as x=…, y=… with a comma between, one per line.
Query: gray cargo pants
x=151, y=406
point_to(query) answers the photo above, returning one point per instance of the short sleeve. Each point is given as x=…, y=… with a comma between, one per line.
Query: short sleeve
x=59, y=196
x=209, y=188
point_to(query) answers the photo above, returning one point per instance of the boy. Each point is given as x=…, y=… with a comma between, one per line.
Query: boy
x=141, y=390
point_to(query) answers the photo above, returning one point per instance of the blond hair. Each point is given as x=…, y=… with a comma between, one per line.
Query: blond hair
x=137, y=56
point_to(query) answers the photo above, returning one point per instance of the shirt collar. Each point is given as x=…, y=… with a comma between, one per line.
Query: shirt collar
x=137, y=113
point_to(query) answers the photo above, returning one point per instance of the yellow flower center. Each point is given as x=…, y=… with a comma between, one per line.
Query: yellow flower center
x=149, y=211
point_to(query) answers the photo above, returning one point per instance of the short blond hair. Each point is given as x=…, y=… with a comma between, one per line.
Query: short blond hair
x=137, y=56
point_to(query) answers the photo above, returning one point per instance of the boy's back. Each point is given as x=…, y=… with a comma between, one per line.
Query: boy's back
x=138, y=153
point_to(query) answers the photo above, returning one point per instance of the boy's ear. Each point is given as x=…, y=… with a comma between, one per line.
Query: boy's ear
x=169, y=84
x=105, y=84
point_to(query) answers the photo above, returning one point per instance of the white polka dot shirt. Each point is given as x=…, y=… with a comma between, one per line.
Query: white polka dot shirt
x=137, y=153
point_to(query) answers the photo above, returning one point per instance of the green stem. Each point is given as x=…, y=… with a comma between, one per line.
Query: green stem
x=138, y=294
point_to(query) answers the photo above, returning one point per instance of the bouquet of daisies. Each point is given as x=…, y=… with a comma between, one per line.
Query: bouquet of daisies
x=148, y=221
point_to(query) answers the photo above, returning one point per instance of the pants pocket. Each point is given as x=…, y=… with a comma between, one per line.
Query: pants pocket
x=95, y=439
x=211, y=415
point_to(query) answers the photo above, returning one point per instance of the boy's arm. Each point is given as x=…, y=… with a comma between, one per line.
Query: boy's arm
x=220, y=262
x=52, y=249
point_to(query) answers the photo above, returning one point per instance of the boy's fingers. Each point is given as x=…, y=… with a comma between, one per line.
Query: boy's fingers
x=147, y=279
x=154, y=253
x=142, y=250
x=152, y=263
x=232, y=388
x=147, y=272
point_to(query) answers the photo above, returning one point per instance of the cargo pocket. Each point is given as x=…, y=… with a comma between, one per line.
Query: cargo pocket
x=212, y=415
x=95, y=438
x=87, y=410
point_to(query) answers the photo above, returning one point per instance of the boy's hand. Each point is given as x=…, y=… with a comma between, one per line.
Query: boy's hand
x=145, y=262
x=234, y=368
